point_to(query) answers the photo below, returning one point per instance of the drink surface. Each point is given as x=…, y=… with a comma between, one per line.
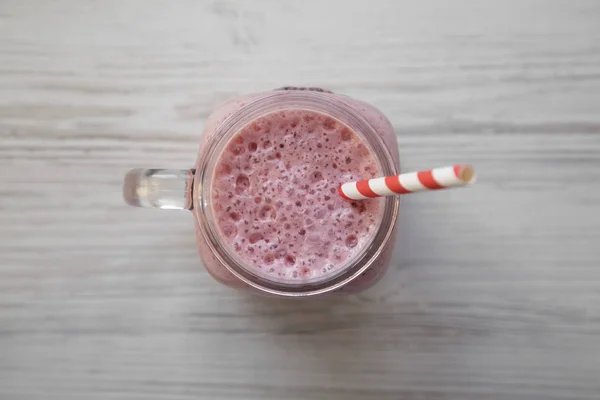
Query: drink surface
x=274, y=196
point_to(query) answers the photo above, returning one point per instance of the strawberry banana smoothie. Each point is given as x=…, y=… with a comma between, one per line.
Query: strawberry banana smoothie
x=268, y=215
x=263, y=193
x=275, y=202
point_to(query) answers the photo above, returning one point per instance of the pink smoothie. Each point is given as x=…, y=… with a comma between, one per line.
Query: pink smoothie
x=274, y=196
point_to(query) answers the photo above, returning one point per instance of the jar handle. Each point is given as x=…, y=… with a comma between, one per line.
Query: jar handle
x=159, y=188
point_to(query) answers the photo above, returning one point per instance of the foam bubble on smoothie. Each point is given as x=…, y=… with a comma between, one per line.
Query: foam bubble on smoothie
x=274, y=195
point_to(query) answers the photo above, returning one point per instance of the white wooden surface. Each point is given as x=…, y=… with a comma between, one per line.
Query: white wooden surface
x=494, y=292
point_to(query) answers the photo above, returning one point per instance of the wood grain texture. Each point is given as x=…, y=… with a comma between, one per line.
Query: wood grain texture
x=494, y=292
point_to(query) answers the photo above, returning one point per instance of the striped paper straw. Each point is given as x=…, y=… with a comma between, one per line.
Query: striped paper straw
x=433, y=179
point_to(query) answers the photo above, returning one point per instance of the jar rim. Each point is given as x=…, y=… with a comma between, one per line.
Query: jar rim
x=321, y=102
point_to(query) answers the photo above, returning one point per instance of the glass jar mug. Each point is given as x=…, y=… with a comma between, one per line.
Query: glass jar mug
x=264, y=194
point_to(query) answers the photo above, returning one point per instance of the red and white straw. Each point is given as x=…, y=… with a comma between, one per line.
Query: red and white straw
x=433, y=179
